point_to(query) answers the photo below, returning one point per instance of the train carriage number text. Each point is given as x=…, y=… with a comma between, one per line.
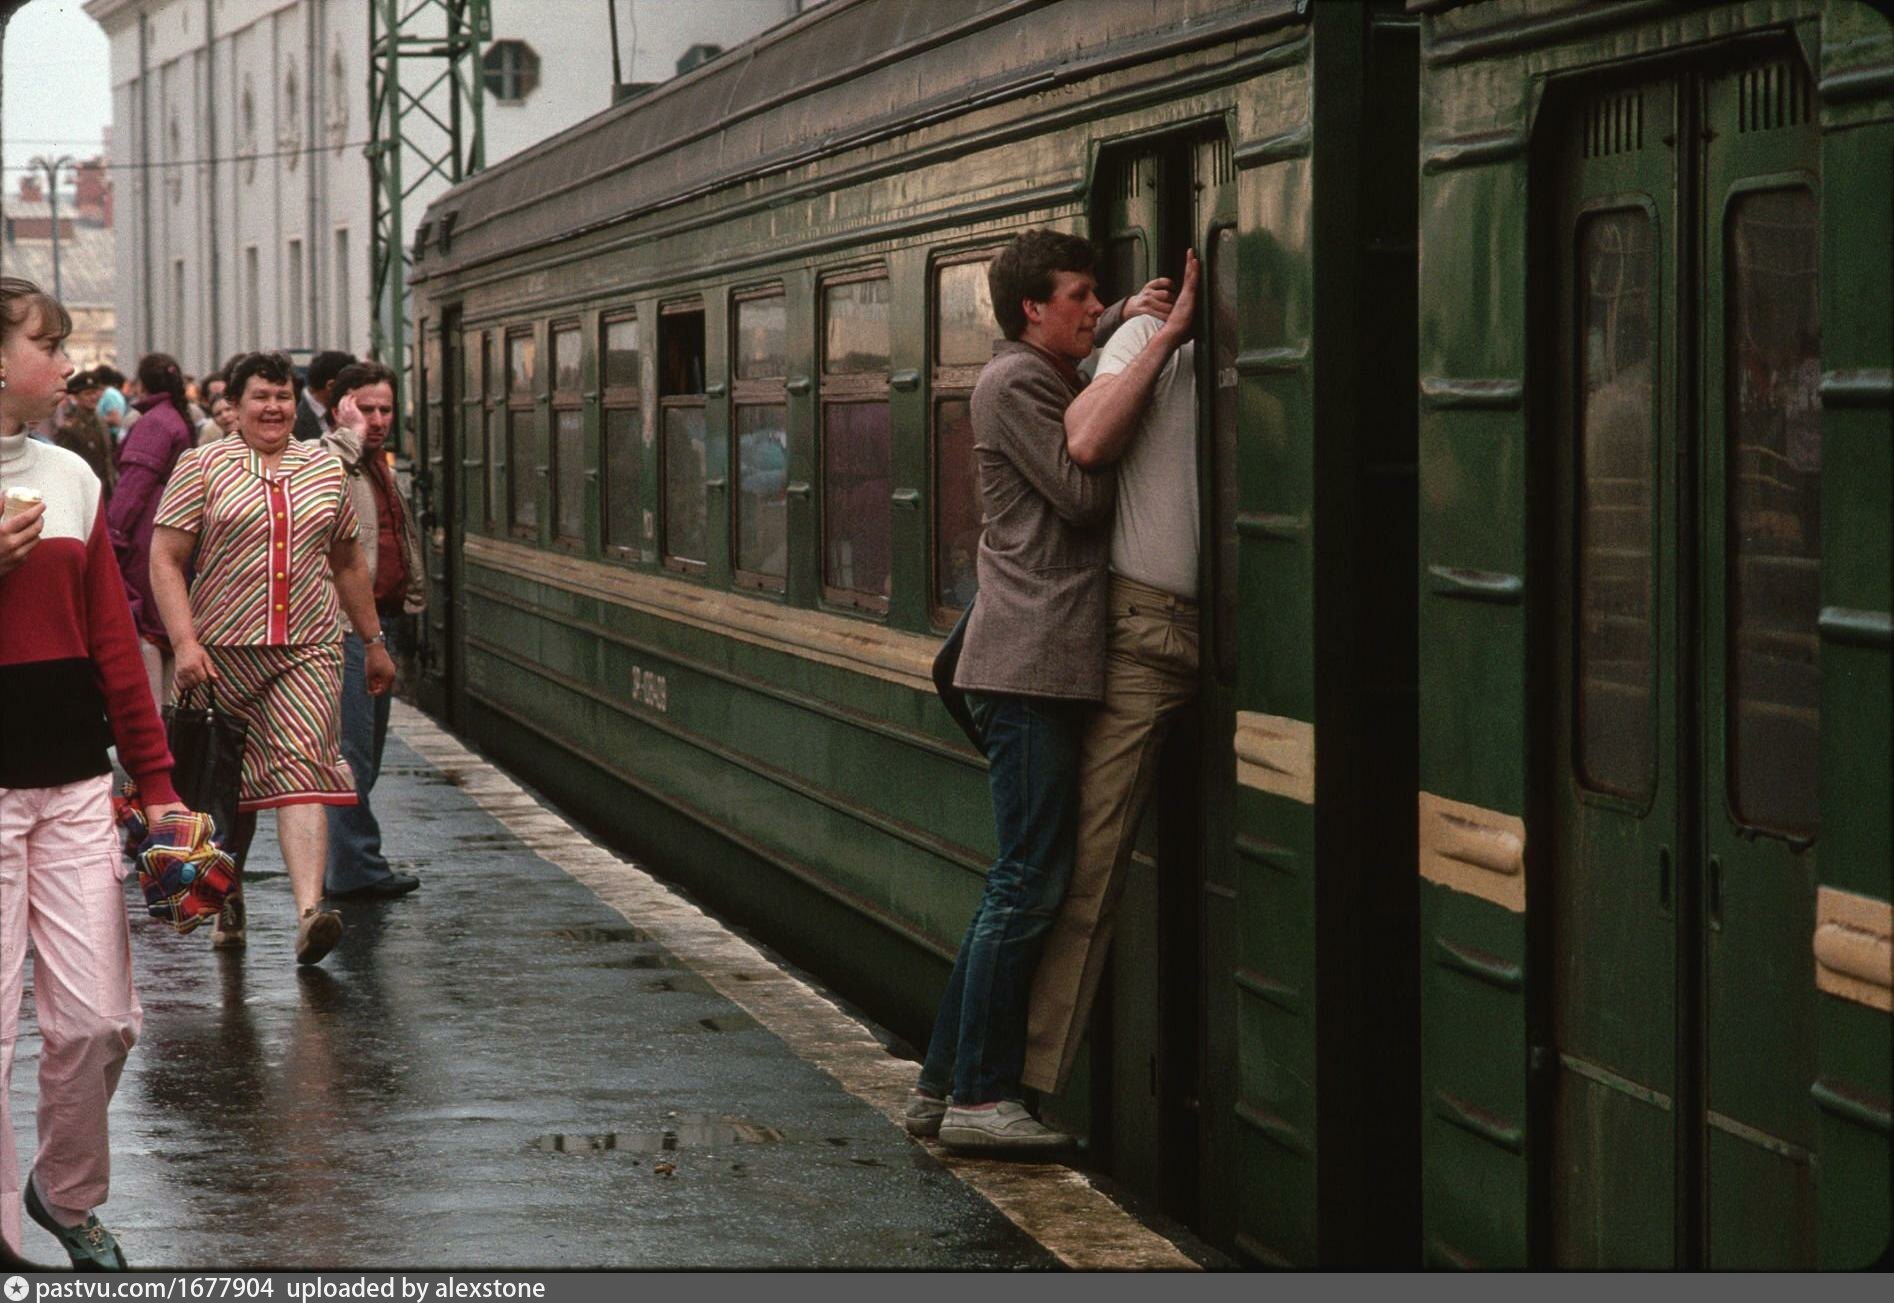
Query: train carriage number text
x=649, y=689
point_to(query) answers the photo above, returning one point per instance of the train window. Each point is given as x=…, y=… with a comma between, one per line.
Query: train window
x=1775, y=549
x=855, y=335
x=568, y=436
x=1617, y=414
x=965, y=329
x=964, y=334
x=525, y=454
x=566, y=350
x=623, y=429
x=761, y=544
x=956, y=505
x=495, y=435
x=473, y=385
x=856, y=451
x=683, y=450
x=757, y=340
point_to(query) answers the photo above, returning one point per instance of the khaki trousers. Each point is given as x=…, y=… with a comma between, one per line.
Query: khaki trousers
x=1150, y=678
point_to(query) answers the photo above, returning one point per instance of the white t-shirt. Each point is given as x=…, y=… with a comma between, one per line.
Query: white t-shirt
x=1155, y=537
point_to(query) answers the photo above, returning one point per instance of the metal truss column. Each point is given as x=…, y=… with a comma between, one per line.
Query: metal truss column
x=426, y=127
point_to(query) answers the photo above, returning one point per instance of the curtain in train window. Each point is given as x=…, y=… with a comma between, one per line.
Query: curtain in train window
x=1617, y=358
x=1773, y=338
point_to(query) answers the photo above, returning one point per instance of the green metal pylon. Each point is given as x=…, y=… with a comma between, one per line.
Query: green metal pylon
x=415, y=135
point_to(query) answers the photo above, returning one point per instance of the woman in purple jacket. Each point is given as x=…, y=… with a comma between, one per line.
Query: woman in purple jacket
x=160, y=435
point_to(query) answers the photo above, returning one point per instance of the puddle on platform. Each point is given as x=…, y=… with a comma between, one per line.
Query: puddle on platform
x=683, y=1133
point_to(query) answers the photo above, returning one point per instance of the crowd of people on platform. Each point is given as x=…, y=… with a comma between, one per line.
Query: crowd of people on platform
x=243, y=533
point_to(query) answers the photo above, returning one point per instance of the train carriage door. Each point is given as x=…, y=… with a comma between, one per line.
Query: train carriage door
x=1614, y=952
x=1760, y=689
x=1678, y=883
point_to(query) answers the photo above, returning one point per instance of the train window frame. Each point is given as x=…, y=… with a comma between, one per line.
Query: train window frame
x=667, y=403
x=617, y=399
x=517, y=401
x=562, y=401
x=841, y=389
x=948, y=382
x=749, y=393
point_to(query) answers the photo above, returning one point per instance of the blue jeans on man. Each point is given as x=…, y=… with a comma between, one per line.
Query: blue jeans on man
x=978, y=1049
x=356, y=864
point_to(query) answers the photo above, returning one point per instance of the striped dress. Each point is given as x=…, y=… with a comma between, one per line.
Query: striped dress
x=264, y=606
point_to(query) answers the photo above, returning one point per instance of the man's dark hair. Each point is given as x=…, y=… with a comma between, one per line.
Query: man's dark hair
x=326, y=366
x=109, y=376
x=1024, y=270
x=358, y=375
x=271, y=366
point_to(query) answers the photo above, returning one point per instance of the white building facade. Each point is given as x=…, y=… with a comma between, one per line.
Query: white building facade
x=238, y=134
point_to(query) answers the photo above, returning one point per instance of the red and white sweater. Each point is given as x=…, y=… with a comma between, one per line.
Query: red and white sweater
x=72, y=681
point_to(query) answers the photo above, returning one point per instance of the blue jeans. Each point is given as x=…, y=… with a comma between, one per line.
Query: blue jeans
x=978, y=1049
x=355, y=858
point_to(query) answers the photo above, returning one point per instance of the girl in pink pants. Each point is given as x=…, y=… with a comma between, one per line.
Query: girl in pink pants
x=72, y=683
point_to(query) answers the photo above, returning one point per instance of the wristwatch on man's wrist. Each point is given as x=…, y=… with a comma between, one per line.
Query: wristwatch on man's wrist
x=380, y=637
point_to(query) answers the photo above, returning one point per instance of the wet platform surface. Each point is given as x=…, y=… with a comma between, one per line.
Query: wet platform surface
x=498, y=1070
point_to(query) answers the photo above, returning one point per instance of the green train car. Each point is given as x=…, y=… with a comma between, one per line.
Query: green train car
x=692, y=438
x=1655, y=489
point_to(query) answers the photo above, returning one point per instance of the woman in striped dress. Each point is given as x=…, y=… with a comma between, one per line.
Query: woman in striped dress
x=267, y=522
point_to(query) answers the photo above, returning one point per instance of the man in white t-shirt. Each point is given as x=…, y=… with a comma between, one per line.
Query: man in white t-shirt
x=1140, y=413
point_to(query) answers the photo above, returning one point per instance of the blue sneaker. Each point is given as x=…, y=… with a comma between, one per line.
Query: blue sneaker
x=90, y=1246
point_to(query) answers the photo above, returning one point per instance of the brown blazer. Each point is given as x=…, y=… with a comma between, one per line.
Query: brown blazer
x=1038, y=625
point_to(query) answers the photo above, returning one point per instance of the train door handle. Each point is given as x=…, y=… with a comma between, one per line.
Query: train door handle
x=1716, y=891
x=1663, y=877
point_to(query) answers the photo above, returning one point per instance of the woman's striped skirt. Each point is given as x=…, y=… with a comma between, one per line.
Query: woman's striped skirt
x=291, y=697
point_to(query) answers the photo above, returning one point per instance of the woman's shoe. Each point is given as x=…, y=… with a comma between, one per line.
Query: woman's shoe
x=227, y=933
x=317, y=934
x=89, y=1245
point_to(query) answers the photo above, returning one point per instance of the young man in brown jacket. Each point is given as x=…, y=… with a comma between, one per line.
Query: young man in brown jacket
x=1032, y=665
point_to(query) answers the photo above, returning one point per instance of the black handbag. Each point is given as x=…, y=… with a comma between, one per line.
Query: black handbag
x=207, y=758
x=946, y=661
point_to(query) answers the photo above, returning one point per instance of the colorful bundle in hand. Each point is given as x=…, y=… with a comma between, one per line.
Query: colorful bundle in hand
x=128, y=811
x=184, y=873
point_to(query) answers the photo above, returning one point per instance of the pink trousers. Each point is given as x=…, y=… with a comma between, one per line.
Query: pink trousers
x=60, y=887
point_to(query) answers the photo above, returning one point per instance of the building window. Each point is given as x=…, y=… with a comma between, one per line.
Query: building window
x=293, y=329
x=761, y=545
x=343, y=310
x=683, y=452
x=511, y=69
x=623, y=427
x=568, y=436
x=524, y=454
x=252, y=291
x=964, y=331
x=857, y=454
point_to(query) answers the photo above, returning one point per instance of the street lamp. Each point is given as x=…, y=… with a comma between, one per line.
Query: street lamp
x=52, y=167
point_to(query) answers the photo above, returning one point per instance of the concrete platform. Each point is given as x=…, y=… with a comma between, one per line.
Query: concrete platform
x=543, y=1058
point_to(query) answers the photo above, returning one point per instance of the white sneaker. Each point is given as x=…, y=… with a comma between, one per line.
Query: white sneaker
x=1003, y=1126
x=923, y=1114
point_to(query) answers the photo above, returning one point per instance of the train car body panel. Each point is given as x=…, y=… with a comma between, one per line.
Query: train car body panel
x=656, y=589
x=1653, y=747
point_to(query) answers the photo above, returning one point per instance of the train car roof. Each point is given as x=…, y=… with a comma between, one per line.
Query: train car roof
x=841, y=75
